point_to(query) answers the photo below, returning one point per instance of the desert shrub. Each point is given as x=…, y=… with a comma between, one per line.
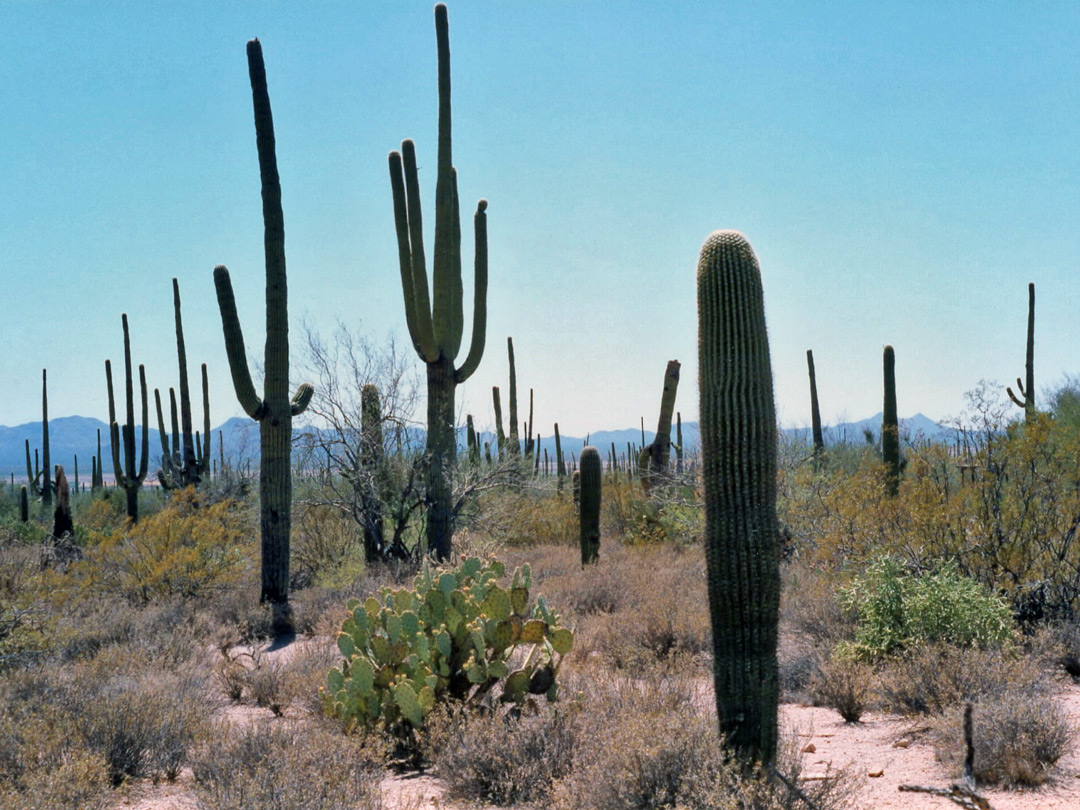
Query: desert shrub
x=505, y=760
x=894, y=610
x=187, y=549
x=525, y=516
x=934, y=677
x=268, y=767
x=268, y=684
x=327, y=549
x=845, y=686
x=142, y=725
x=664, y=514
x=1018, y=738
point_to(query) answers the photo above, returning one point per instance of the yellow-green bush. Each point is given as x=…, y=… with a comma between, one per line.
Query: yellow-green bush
x=187, y=549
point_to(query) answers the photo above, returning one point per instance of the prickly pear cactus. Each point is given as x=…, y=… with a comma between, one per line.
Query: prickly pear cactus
x=452, y=636
x=738, y=449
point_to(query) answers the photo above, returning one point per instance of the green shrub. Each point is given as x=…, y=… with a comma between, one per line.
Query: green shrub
x=453, y=636
x=894, y=610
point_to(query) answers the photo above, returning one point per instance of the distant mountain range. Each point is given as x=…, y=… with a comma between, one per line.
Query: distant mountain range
x=238, y=438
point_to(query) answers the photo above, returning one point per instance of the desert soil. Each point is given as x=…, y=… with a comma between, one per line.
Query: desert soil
x=880, y=753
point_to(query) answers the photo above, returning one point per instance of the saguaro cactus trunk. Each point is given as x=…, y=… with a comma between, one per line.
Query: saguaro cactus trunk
x=660, y=449
x=46, y=482
x=815, y=414
x=890, y=426
x=589, y=476
x=436, y=323
x=274, y=412
x=1027, y=388
x=738, y=447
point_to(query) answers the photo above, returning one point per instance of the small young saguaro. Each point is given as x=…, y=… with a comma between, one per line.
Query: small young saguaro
x=738, y=449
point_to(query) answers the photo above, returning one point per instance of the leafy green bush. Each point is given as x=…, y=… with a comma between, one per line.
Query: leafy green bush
x=894, y=610
x=453, y=636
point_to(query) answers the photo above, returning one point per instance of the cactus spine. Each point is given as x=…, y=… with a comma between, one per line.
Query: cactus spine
x=436, y=324
x=1027, y=388
x=589, y=474
x=371, y=451
x=660, y=449
x=815, y=414
x=126, y=476
x=274, y=412
x=738, y=446
x=890, y=427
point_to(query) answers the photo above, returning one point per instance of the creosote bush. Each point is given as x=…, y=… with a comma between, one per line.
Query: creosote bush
x=845, y=686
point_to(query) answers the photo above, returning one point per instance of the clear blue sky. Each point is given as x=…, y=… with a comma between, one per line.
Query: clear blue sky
x=903, y=170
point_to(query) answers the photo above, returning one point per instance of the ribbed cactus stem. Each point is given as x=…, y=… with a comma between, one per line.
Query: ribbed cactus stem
x=435, y=321
x=1027, y=388
x=274, y=411
x=31, y=473
x=24, y=504
x=512, y=439
x=739, y=445
x=660, y=449
x=890, y=426
x=46, y=481
x=129, y=475
x=589, y=476
x=815, y=414
x=189, y=471
x=371, y=451
x=500, y=435
x=559, y=455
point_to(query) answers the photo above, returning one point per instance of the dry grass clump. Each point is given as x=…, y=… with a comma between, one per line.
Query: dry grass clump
x=843, y=685
x=614, y=742
x=635, y=607
x=1017, y=737
x=270, y=767
x=933, y=678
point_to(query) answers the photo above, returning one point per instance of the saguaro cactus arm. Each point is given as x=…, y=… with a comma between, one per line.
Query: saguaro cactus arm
x=408, y=219
x=1027, y=391
x=480, y=284
x=234, y=346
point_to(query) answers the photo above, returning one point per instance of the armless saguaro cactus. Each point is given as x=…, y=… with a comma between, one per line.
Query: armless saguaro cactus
x=738, y=449
x=500, y=434
x=890, y=426
x=46, y=482
x=1027, y=388
x=660, y=449
x=274, y=411
x=127, y=478
x=371, y=454
x=436, y=323
x=815, y=414
x=589, y=475
x=512, y=442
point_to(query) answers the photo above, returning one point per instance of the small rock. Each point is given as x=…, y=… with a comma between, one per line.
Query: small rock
x=901, y=743
x=810, y=749
x=876, y=774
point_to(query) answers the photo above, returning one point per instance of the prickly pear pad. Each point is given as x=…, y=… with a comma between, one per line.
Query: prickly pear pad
x=451, y=637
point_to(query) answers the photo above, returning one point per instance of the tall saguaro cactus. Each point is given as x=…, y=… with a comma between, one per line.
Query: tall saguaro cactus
x=1027, y=388
x=589, y=474
x=512, y=440
x=660, y=449
x=274, y=411
x=890, y=426
x=127, y=478
x=46, y=482
x=738, y=448
x=371, y=454
x=815, y=414
x=436, y=322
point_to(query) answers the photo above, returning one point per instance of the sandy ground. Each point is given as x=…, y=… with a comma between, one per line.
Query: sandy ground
x=880, y=753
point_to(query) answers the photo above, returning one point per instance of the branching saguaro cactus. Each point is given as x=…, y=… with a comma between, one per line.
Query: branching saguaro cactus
x=890, y=425
x=274, y=411
x=589, y=475
x=436, y=322
x=738, y=447
x=1027, y=388
x=188, y=461
x=660, y=449
x=815, y=414
x=126, y=476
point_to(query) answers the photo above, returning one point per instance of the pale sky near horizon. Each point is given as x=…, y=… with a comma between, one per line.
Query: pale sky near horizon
x=902, y=169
